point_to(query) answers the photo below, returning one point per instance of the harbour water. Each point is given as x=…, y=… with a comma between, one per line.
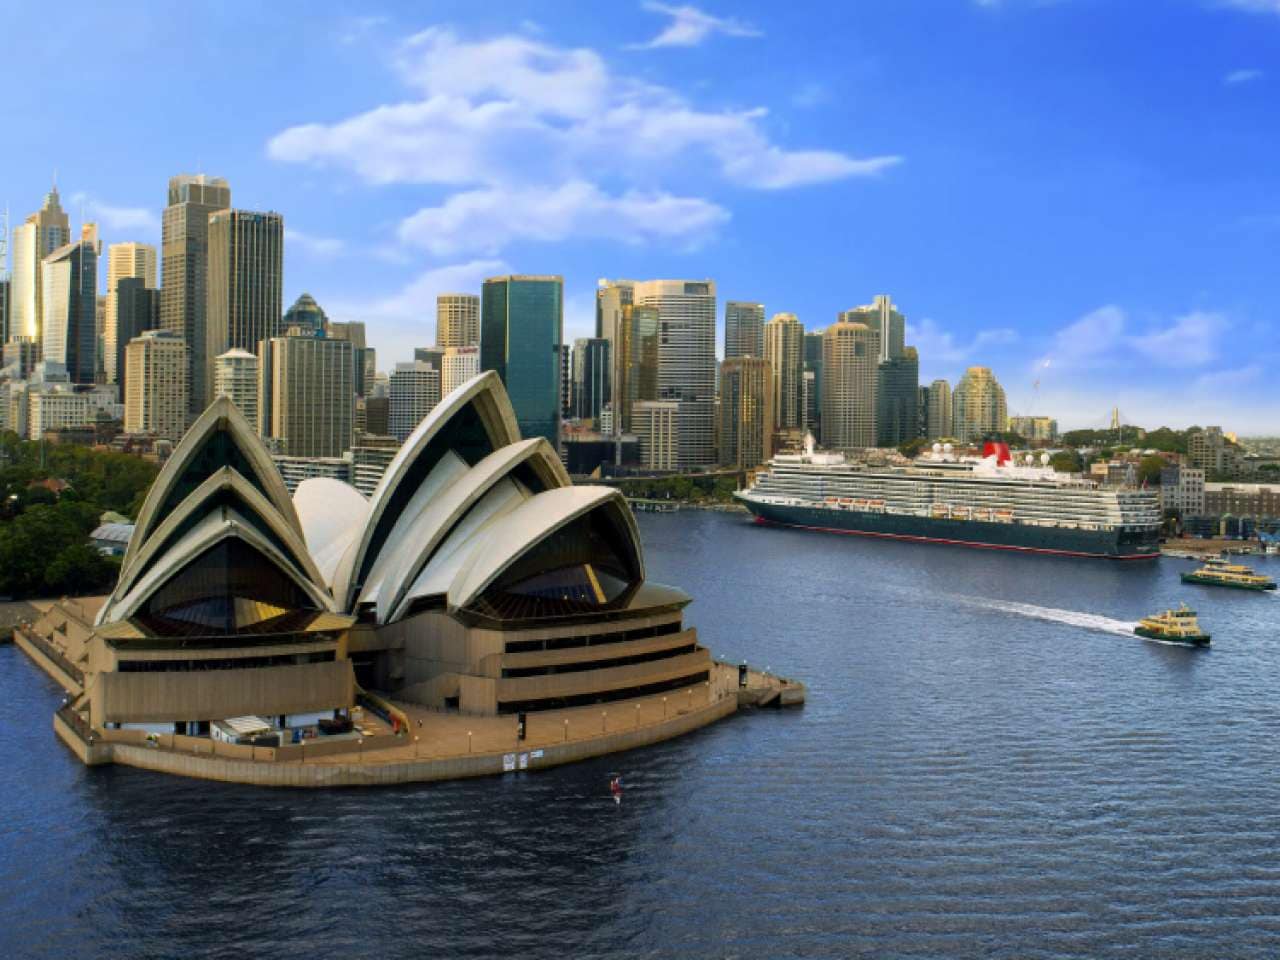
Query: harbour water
x=989, y=764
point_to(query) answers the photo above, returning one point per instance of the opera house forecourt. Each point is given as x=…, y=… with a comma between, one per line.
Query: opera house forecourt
x=478, y=614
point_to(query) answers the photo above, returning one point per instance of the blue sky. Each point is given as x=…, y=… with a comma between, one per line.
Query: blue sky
x=1081, y=193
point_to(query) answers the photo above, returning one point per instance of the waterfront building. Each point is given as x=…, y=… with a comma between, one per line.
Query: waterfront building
x=369, y=461
x=457, y=366
x=457, y=320
x=6, y=286
x=898, y=398
x=488, y=596
x=656, y=424
x=978, y=405
x=43, y=232
x=245, y=295
x=522, y=319
x=306, y=318
x=784, y=349
x=635, y=363
x=686, y=361
x=1253, y=501
x=135, y=261
x=312, y=395
x=1182, y=488
x=613, y=297
x=69, y=301
x=747, y=419
x=137, y=310
x=591, y=367
x=415, y=391
x=236, y=375
x=1214, y=452
x=887, y=325
x=156, y=400
x=849, y=369
x=53, y=408
x=184, y=249
x=294, y=470
x=939, y=413
x=1035, y=429
x=744, y=329
x=219, y=610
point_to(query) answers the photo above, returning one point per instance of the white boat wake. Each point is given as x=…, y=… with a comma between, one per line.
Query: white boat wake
x=1072, y=618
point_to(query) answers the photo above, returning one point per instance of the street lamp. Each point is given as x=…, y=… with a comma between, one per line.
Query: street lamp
x=664, y=708
x=604, y=721
x=566, y=730
x=637, y=716
x=468, y=741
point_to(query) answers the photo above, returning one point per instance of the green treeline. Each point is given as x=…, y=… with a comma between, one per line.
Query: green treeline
x=44, y=535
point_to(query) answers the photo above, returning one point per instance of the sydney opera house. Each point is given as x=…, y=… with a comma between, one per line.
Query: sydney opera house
x=477, y=580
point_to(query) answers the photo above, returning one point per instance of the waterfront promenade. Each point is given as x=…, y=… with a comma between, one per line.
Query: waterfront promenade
x=428, y=744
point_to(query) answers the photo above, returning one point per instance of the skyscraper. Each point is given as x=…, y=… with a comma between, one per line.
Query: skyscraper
x=784, y=349
x=362, y=356
x=613, y=298
x=521, y=324
x=637, y=366
x=307, y=317
x=137, y=310
x=813, y=382
x=415, y=390
x=656, y=424
x=592, y=365
x=886, y=323
x=746, y=412
x=978, y=405
x=687, y=360
x=124, y=260
x=457, y=320
x=6, y=286
x=236, y=375
x=245, y=296
x=185, y=252
x=69, y=301
x=312, y=395
x=744, y=329
x=848, y=385
x=44, y=231
x=939, y=416
x=898, y=399
x=566, y=380
x=457, y=366
x=156, y=385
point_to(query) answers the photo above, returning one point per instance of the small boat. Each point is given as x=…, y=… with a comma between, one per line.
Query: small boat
x=1219, y=573
x=1173, y=626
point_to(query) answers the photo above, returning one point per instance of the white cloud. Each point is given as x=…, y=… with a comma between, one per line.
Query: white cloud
x=514, y=109
x=689, y=26
x=316, y=246
x=1190, y=341
x=941, y=351
x=1082, y=343
x=485, y=221
x=406, y=319
x=352, y=30
x=1237, y=77
x=138, y=219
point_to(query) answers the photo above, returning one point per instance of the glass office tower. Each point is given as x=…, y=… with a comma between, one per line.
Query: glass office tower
x=521, y=330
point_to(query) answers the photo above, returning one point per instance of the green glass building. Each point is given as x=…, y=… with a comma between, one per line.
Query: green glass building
x=521, y=330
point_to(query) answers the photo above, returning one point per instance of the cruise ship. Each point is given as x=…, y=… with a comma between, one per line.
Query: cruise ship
x=990, y=502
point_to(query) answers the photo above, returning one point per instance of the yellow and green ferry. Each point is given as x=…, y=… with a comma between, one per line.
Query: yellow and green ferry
x=1219, y=573
x=1173, y=626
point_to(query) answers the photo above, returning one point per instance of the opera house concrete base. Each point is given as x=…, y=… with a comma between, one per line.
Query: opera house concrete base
x=433, y=754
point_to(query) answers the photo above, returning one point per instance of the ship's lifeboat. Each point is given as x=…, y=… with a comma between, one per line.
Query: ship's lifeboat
x=982, y=513
x=832, y=500
x=1004, y=516
x=939, y=510
x=860, y=503
x=877, y=505
x=961, y=513
x=846, y=500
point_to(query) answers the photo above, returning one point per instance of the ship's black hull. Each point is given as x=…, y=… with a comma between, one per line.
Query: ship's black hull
x=1110, y=545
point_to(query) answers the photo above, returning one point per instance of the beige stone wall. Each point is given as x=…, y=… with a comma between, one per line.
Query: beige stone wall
x=604, y=680
x=216, y=694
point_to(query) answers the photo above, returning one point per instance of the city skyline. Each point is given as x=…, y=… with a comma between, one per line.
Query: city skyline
x=1111, y=268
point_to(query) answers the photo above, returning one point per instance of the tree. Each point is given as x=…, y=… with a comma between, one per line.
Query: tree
x=1149, y=469
x=912, y=448
x=1066, y=461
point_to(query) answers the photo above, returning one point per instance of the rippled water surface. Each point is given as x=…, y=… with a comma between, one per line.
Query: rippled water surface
x=989, y=765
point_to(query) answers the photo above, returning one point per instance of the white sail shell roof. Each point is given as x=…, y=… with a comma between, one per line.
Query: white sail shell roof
x=332, y=514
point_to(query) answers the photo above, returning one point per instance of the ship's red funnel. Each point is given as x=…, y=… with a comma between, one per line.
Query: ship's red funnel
x=997, y=449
